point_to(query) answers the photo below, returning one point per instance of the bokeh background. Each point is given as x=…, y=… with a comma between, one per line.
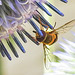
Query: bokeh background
x=31, y=63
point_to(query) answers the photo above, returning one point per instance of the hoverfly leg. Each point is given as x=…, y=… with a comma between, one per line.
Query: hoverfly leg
x=47, y=28
x=41, y=28
x=46, y=47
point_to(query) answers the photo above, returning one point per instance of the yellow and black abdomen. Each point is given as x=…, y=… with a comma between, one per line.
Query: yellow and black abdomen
x=48, y=38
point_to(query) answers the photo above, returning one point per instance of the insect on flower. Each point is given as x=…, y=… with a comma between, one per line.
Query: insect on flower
x=51, y=37
x=14, y=14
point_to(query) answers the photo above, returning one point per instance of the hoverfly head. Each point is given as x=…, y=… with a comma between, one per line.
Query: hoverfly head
x=37, y=35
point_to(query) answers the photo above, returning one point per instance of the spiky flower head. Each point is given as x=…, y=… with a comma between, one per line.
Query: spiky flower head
x=15, y=13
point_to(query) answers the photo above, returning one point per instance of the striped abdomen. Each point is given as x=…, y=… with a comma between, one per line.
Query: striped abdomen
x=48, y=38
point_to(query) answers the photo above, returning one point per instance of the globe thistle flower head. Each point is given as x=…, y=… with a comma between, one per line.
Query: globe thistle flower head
x=14, y=14
x=65, y=1
x=65, y=64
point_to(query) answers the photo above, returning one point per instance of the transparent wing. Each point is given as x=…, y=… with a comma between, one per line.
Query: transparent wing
x=46, y=57
x=66, y=27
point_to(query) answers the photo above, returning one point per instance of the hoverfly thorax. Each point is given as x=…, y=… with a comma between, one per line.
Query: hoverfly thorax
x=48, y=38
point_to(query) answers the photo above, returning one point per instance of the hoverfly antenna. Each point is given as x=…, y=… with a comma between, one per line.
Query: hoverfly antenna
x=54, y=25
x=34, y=31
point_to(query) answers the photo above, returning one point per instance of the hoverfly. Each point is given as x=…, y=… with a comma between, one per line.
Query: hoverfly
x=50, y=37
